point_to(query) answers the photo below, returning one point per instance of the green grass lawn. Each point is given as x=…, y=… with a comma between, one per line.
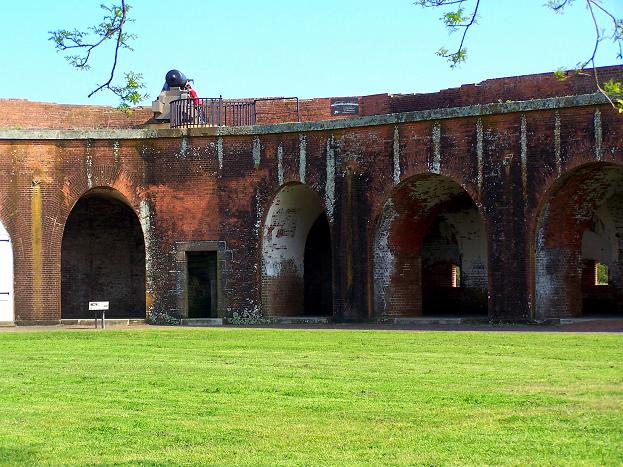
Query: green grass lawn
x=261, y=396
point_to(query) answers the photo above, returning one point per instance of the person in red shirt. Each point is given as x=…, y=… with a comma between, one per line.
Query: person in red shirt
x=200, y=114
x=193, y=94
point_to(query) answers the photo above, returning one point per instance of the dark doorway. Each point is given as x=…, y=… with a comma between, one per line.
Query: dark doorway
x=202, y=285
x=103, y=258
x=455, y=240
x=318, y=275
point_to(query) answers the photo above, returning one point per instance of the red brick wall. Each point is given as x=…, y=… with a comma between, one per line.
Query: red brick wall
x=21, y=114
x=516, y=88
x=207, y=188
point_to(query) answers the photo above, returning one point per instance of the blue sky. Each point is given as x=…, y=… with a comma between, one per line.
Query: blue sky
x=298, y=48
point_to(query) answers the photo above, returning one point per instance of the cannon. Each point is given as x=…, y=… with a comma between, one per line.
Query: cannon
x=173, y=89
x=174, y=79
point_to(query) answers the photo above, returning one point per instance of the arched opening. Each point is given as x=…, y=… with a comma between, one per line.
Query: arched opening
x=430, y=251
x=103, y=257
x=579, y=243
x=297, y=277
x=6, y=277
x=318, y=269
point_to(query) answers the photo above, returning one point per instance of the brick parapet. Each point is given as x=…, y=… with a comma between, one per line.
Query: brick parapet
x=24, y=114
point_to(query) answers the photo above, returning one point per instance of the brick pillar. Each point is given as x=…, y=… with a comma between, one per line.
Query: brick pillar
x=350, y=248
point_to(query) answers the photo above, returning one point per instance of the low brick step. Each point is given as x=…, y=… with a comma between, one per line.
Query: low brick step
x=202, y=322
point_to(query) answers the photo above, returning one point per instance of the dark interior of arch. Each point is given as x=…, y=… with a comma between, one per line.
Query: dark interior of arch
x=102, y=259
x=602, y=243
x=318, y=275
x=454, y=244
x=580, y=226
x=428, y=226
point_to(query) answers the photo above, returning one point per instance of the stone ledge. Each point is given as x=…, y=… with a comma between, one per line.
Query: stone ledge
x=38, y=322
x=301, y=319
x=202, y=322
x=109, y=322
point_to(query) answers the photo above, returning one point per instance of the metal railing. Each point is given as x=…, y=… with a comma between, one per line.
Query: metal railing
x=202, y=112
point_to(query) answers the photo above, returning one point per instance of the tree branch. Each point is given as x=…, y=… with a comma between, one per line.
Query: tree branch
x=111, y=27
x=454, y=19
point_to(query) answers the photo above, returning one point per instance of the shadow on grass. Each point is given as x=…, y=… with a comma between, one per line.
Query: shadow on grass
x=18, y=456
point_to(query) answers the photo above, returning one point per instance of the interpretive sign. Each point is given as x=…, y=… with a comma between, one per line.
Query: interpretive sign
x=99, y=306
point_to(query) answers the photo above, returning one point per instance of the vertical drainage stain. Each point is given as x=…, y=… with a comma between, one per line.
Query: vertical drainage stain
x=257, y=152
x=280, y=165
x=557, y=153
x=183, y=147
x=349, y=229
x=88, y=161
x=115, y=152
x=219, y=152
x=36, y=246
x=435, y=166
x=145, y=220
x=302, y=157
x=479, y=154
x=330, y=186
x=524, y=156
x=396, y=156
x=598, y=135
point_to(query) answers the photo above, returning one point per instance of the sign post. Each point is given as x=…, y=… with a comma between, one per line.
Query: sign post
x=99, y=306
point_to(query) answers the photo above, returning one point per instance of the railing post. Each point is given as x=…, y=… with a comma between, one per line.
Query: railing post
x=298, y=111
x=220, y=104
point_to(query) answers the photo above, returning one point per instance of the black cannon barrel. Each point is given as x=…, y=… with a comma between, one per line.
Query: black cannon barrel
x=174, y=79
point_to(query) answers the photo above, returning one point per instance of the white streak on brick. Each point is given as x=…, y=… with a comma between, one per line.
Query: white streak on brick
x=524, y=155
x=396, y=156
x=435, y=166
x=89, y=164
x=219, y=152
x=598, y=135
x=384, y=260
x=479, y=153
x=330, y=186
x=183, y=146
x=557, y=153
x=145, y=220
x=115, y=151
x=257, y=150
x=280, y=165
x=302, y=157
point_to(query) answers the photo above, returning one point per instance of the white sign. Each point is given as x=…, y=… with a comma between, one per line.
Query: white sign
x=97, y=306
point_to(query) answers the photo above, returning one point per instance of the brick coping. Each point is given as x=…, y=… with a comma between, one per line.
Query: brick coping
x=550, y=103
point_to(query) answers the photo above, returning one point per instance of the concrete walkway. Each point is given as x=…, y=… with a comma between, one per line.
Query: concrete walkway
x=567, y=325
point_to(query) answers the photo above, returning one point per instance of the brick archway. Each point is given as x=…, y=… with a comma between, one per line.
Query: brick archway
x=103, y=257
x=296, y=255
x=429, y=231
x=580, y=225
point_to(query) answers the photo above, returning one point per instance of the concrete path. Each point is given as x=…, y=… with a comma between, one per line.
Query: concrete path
x=572, y=325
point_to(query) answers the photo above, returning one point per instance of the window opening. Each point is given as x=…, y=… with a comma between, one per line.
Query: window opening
x=601, y=274
x=456, y=276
